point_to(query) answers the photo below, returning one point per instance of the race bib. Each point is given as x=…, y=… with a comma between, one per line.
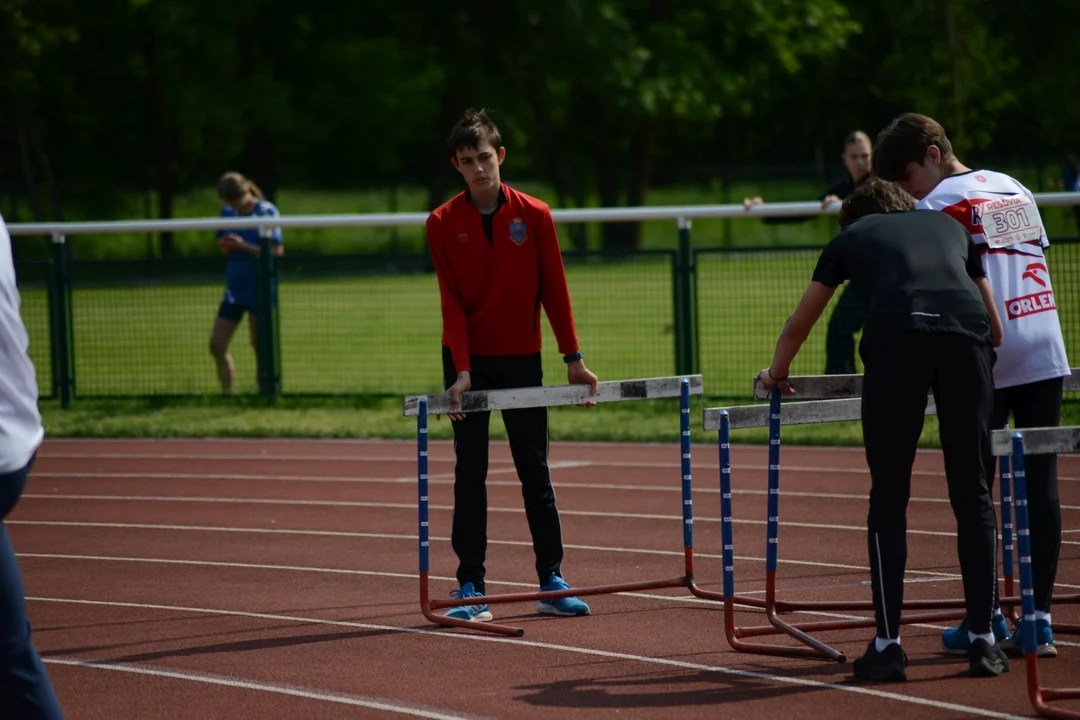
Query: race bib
x=1010, y=220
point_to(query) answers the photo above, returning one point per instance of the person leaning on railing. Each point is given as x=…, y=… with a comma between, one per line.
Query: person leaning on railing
x=931, y=326
x=25, y=689
x=850, y=312
x=240, y=198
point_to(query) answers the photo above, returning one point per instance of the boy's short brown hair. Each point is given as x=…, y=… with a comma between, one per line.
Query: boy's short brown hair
x=472, y=129
x=904, y=141
x=872, y=197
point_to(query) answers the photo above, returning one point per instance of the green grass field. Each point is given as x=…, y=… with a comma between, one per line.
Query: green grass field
x=379, y=335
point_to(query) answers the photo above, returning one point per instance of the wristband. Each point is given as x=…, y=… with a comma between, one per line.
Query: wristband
x=774, y=378
x=572, y=357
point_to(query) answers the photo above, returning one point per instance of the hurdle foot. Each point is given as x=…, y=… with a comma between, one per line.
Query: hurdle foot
x=816, y=650
x=1040, y=697
x=699, y=592
x=823, y=649
x=488, y=627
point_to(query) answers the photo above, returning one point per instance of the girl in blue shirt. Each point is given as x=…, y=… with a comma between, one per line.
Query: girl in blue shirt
x=239, y=197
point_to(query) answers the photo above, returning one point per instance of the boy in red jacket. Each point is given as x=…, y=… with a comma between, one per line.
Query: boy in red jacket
x=498, y=261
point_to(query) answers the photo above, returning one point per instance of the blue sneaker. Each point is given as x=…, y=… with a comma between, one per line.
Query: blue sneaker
x=479, y=613
x=566, y=607
x=1044, y=642
x=955, y=640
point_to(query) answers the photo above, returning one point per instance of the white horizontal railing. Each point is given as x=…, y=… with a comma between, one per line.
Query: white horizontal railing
x=680, y=214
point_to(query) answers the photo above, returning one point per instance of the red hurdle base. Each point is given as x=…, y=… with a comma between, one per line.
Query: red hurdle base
x=429, y=606
x=800, y=631
x=948, y=610
x=1040, y=696
x=1066, y=628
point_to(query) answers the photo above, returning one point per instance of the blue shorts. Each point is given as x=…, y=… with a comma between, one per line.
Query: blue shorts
x=231, y=311
x=234, y=305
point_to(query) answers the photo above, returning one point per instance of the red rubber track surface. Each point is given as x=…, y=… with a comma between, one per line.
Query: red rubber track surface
x=278, y=579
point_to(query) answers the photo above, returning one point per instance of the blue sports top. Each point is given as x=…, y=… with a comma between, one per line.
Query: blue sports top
x=240, y=269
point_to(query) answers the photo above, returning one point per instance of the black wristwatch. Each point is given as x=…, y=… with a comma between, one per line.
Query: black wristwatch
x=572, y=357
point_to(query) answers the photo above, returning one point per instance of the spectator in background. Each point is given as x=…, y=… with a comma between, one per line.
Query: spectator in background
x=25, y=689
x=240, y=198
x=851, y=310
x=1070, y=181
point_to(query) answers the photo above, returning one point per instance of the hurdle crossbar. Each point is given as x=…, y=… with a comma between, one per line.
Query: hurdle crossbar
x=680, y=387
x=741, y=417
x=1038, y=441
x=831, y=387
x=1067, y=440
x=553, y=395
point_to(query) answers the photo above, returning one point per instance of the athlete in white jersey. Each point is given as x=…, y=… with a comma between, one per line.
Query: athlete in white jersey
x=1004, y=221
x=25, y=690
x=1001, y=215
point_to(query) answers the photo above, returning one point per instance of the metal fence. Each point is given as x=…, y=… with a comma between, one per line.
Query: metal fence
x=370, y=324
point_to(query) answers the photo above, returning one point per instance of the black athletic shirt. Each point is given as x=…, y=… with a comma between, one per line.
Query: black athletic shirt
x=916, y=269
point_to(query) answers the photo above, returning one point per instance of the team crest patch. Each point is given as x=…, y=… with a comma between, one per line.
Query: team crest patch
x=518, y=232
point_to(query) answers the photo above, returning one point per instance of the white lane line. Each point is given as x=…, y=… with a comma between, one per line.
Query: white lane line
x=412, y=506
x=448, y=479
x=673, y=464
x=935, y=575
x=627, y=657
x=232, y=682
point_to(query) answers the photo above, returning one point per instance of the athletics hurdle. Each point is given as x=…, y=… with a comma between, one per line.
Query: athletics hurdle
x=828, y=402
x=550, y=396
x=723, y=420
x=1034, y=441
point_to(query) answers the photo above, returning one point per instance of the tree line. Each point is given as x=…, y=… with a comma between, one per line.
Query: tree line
x=601, y=99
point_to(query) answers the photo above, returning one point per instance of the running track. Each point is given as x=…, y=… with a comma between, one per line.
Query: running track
x=277, y=579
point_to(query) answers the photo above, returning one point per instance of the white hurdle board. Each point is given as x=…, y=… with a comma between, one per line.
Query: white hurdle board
x=832, y=387
x=554, y=395
x=796, y=413
x=1038, y=441
x=834, y=398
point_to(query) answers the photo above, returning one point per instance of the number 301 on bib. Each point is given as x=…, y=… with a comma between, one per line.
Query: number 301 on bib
x=1009, y=221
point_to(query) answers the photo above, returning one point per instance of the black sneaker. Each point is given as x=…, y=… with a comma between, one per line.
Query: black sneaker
x=885, y=666
x=986, y=660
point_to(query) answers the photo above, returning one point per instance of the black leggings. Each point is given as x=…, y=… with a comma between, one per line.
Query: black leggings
x=898, y=377
x=527, y=431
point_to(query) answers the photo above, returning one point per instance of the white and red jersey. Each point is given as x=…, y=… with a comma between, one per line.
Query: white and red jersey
x=1004, y=221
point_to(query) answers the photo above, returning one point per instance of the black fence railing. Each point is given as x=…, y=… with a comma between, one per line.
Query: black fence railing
x=371, y=325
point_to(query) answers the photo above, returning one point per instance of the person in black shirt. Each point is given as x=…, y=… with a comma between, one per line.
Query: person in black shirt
x=850, y=311
x=931, y=325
